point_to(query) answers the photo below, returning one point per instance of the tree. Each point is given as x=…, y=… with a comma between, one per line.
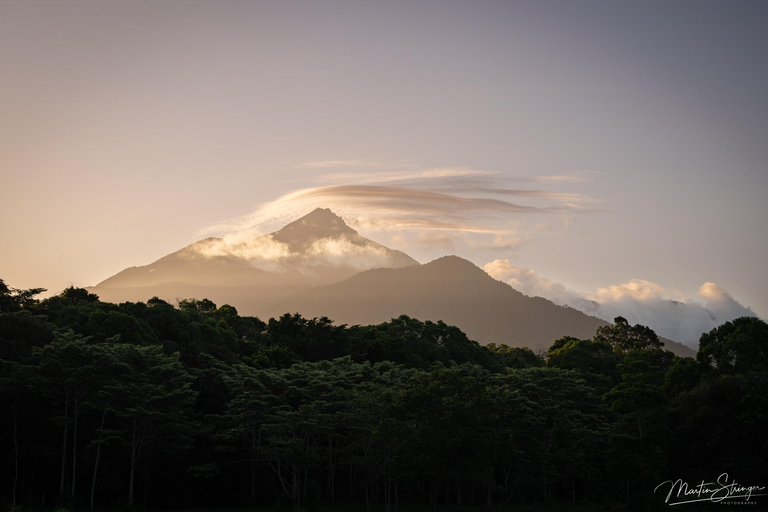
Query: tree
x=624, y=337
x=682, y=376
x=740, y=346
x=516, y=357
x=12, y=300
x=240, y=425
x=15, y=381
x=67, y=369
x=595, y=360
x=106, y=324
x=640, y=436
x=438, y=428
x=107, y=368
x=152, y=405
x=300, y=426
x=569, y=428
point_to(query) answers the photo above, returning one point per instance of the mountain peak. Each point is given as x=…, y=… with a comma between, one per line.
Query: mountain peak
x=454, y=264
x=319, y=247
x=319, y=223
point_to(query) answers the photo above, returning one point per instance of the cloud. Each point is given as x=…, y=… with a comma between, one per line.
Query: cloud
x=573, y=177
x=268, y=254
x=502, y=242
x=420, y=201
x=387, y=209
x=429, y=208
x=435, y=239
x=667, y=312
x=526, y=281
x=721, y=303
x=262, y=252
x=342, y=252
x=636, y=289
x=324, y=164
x=401, y=176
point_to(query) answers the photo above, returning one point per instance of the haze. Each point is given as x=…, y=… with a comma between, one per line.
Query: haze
x=604, y=151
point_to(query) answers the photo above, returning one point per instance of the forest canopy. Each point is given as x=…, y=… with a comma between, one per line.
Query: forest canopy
x=193, y=405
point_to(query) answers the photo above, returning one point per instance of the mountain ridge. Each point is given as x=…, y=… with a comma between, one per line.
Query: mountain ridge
x=451, y=289
x=323, y=267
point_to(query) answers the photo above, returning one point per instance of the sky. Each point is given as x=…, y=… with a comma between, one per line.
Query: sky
x=612, y=152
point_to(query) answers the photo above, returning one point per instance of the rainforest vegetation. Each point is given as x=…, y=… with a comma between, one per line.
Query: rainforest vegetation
x=168, y=406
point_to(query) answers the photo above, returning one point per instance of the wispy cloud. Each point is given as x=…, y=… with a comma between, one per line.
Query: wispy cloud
x=420, y=201
x=572, y=177
x=437, y=207
x=398, y=176
x=666, y=311
x=325, y=164
x=379, y=207
x=436, y=239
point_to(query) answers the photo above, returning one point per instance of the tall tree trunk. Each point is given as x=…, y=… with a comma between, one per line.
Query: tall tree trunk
x=296, y=484
x=15, y=454
x=489, y=490
x=396, y=496
x=74, y=448
x=573, y=489
x=98, y=453
x=64, y=445
x=253, y=462
x=133, y=464
x=146, y=487
x=627, y=491
x=130, y=483
x=386, y=494
x=331, y=473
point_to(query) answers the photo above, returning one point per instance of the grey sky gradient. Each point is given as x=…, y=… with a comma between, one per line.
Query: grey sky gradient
x=127, y=128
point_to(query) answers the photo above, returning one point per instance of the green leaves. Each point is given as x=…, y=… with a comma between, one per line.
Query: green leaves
x=735, y=347
x=624, y=337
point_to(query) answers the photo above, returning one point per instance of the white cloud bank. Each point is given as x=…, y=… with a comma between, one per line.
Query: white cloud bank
x=667, y=312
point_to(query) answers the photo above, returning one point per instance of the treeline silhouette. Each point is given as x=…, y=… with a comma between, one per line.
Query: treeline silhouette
x=162, y=406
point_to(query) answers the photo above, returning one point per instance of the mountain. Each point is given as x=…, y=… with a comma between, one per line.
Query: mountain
x=319, y=266
x=193, y=265
x=453, y=290
x=322, y=247
x=450, y=289
x=318, y=248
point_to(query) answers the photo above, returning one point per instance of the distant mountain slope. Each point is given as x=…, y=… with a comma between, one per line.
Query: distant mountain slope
x=318, y=248
x=450, y=289
x=191, y=265
x=453, y=290
x=189, y=273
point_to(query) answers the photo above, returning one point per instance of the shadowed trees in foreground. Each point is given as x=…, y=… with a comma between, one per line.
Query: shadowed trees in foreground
x=168, y=406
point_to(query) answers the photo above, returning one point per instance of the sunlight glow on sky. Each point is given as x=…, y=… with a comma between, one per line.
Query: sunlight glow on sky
x=593, y=143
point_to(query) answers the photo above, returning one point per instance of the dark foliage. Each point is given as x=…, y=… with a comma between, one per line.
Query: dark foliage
x=196, y=406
